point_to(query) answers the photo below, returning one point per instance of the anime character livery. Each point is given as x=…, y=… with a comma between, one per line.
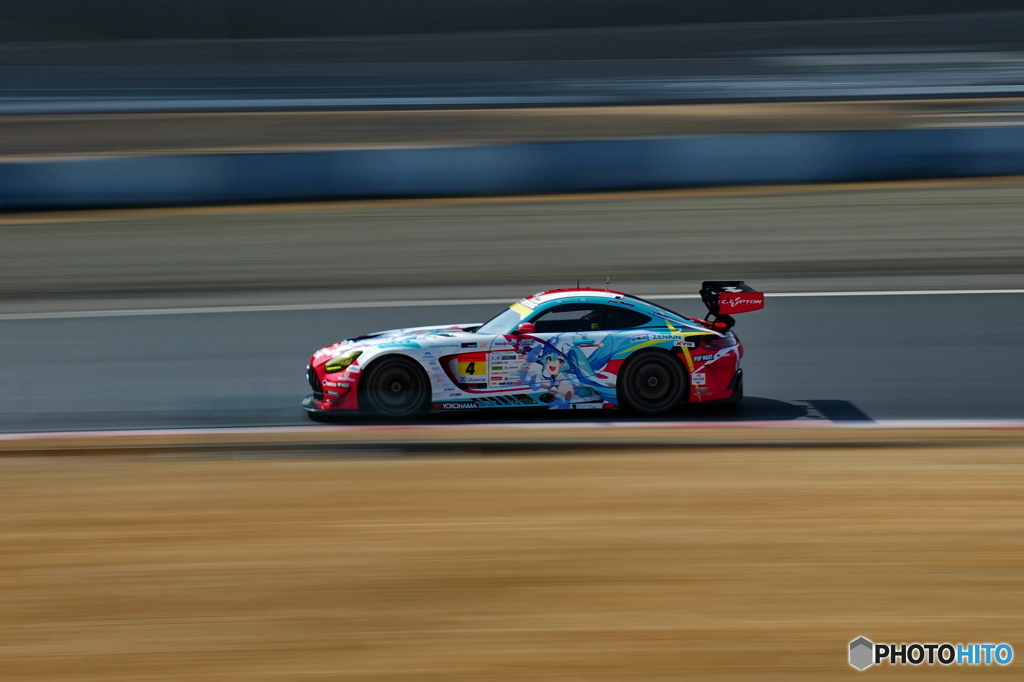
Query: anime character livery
x=566, y=349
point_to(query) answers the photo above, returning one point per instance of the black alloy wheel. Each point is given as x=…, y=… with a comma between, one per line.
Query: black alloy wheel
x=396, y=387
x=652, y=382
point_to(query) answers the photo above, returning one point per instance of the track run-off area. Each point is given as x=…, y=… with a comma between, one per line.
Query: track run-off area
x=667, y=564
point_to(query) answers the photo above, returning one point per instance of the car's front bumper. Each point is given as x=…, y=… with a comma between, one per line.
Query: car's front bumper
x=312, y=404
x=330, y=405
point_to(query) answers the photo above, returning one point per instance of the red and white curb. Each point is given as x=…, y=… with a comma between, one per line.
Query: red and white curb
x=527, y=436
x=464, y=428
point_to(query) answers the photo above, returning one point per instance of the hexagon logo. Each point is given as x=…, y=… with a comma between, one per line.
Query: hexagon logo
x=861, y=653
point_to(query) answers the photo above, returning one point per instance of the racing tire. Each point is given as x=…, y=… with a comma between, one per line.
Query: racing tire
x=652, y=382
x=394, y=387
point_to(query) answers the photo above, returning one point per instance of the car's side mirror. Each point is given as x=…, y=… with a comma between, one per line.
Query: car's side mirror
x=525, y=328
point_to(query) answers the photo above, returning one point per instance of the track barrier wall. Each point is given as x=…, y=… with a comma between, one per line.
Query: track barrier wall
x=534, y=168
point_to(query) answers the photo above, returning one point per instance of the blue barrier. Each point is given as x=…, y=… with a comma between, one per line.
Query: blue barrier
x=690, y=161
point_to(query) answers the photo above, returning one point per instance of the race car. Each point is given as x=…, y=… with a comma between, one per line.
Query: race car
x=565, y=349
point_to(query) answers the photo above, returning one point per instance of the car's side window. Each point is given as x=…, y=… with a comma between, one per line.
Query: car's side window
x=569, y=317
x=586, y=317
x=622, y=318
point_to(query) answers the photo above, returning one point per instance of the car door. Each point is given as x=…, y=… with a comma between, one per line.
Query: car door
x=552, y=363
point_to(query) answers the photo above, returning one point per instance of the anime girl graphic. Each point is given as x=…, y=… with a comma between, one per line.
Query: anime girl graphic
x=550, y=374
x=532, y=352
x=560, y=367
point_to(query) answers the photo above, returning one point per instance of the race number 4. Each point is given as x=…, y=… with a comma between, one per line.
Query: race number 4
x=473, y=364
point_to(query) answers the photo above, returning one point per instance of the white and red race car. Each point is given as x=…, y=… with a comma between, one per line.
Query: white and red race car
x=556, y=350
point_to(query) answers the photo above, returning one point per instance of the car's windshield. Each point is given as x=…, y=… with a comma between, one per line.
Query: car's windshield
x=502, y=323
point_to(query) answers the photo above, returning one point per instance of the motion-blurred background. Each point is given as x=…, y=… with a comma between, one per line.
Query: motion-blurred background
x=117, y=56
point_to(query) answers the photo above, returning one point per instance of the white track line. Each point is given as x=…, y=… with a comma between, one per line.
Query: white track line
x=724, y=427
x=139, y=312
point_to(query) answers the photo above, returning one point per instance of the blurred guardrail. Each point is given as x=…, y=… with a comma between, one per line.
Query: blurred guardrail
x=431, y=85
x=980, y=54
x=973, y=54
x=684, y=161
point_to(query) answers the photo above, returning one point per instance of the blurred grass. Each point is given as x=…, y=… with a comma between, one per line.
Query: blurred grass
x=707, y=564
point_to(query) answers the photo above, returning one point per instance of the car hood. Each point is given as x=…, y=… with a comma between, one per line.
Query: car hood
x=408, y=337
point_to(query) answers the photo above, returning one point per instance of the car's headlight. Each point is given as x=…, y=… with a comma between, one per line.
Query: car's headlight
x=341, y=362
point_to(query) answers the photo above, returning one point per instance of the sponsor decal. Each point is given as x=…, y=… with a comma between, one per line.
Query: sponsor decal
x=459, y=406
x=472, y=365
x=698, y=378
x=685, y=344
x=639, y=337
x=740, y=303
x=522, y=309
x=705, y=357
x=864, y=653
x=495, y=368
x=400, y=344
x=470, y=344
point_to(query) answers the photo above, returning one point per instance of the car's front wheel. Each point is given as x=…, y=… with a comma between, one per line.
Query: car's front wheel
x=395, y=387
x=651, y=382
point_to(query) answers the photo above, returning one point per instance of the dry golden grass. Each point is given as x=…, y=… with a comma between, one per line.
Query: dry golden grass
x=689, y=564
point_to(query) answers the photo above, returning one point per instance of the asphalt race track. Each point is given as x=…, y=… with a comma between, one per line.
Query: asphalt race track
x=831, y=358
x=838, y=358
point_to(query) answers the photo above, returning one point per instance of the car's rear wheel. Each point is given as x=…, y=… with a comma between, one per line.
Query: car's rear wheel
x=395, y=387
x=651, y=382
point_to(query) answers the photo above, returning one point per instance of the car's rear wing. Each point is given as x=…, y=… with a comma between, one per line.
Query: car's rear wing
x=726, y=298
